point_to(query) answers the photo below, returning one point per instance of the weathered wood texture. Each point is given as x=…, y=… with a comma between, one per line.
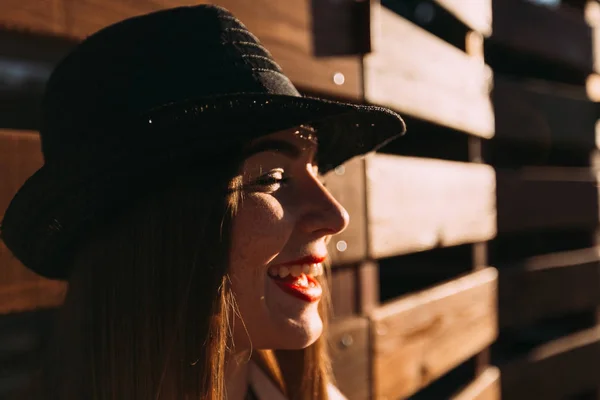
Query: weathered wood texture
x=546, y=115
x=419, y=74
x=341, y=27
x=419, y=337
x=476, y=14
x=417, y=204
x=283, y=27
x=347, y=184
x=546, y=198
x=592, y=16
x=355, y=288
x=21, y=289
x=344, y=291
x=22, y=340
x=33, y=56
x=550, y=285
x=485, y=387
x=33, y=294
x=557, y=35
x=565, y=367
x=349, y=340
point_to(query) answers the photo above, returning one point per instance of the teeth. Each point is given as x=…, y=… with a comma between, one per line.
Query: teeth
x=296, y=270
x=314, y=269
x=306, y=269
x=283, y=272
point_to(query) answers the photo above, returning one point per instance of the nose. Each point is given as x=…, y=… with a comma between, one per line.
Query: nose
x=323, y=214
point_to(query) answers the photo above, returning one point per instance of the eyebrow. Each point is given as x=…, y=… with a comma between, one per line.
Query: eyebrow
x=281, y=146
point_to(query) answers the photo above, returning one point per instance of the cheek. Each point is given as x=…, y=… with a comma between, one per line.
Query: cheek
x=260, y=230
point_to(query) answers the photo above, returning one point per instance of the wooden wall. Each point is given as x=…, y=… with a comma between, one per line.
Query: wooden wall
x=547, y=198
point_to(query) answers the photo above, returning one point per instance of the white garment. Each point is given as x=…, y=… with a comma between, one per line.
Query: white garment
x=265, y=389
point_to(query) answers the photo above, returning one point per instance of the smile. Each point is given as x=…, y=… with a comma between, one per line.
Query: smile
x=299, y=280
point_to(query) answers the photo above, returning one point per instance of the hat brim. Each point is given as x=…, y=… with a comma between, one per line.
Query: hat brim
x=61, y=200
x=344, y=129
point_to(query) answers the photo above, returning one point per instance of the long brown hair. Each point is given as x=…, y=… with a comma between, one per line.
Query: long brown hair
x=149, y=303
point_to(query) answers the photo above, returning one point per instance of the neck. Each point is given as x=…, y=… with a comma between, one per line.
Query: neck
x=236, y=375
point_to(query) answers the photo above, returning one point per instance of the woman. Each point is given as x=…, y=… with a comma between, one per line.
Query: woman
x=180, y=199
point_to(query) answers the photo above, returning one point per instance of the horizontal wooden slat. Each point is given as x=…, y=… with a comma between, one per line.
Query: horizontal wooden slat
x=419, y=74
x=283, y=27
x=417, y=204
x=546, y=198
x=419, y=337
x=549, y=285
x=347, y=184
x=535, y=113
x=485, y=387
x=560, y=35
x=349, y=339
x=566, y=367
x=35, y=294
x=476, y=14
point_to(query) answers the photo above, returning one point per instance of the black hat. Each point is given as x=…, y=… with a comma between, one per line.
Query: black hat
x=152, y=90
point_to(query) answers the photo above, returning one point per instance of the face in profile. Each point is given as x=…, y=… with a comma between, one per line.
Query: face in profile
x=279, y=243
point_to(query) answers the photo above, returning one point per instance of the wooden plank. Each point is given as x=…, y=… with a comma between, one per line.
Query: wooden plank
x=485, y=387
x=283, y=27
x=355, y=288
x=534, y=113
x=592, y=16
x=20, y=157
x=546, y=198
x=344, y=291
x=368, y=286
x=21, y=289
x=475, y=45
x=559, y=35
x=476, y=14
x=349, y=339
x=417, y=204
x=419, y=337
x=556, y=370
x=347, y=184
x=549, y=285
x=419, y=74
x=35, y=294
x=341, y=27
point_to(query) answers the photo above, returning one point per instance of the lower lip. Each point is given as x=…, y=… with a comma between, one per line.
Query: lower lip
x=310, y=294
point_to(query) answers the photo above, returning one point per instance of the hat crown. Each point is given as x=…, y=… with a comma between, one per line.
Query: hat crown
x=148, y=61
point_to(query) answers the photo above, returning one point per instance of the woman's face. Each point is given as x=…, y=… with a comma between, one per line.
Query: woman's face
x=279, y=241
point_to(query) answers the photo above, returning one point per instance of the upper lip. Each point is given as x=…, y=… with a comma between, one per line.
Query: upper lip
x=310, y=259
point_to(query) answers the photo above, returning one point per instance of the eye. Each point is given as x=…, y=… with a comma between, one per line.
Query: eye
x=271, y=179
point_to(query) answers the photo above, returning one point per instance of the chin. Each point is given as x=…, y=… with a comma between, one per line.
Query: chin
x=301, y=334
x=289, y=334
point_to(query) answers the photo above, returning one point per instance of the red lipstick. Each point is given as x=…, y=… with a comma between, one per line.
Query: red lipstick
x=304, y=286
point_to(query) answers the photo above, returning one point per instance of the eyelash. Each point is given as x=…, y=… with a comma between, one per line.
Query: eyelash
x=269, y=180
